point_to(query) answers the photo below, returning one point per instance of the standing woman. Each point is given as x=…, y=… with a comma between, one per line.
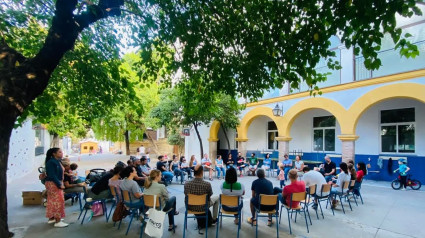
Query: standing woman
x=55, y=209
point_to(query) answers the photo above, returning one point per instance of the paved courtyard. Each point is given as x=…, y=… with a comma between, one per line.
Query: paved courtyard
x=386, y=213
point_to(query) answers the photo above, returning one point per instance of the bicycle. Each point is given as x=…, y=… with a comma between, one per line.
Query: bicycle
x=413, y=183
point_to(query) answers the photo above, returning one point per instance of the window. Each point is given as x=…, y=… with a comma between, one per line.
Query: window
x=85, y=147
x=324, y=133
x=271, y=136
x=398, y=131
x=39, y=139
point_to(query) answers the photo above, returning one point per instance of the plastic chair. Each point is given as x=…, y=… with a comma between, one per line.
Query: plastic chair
x=89, y=204
x=148, y=202
x=267, y=200
x=295, y=197
x=311, y=193
x=133, y=206
x=356, y=190
x=343, y=194
x=324, y=196
x=351, y=191
x=196, y=200
x=229, y=201
x=116, y=200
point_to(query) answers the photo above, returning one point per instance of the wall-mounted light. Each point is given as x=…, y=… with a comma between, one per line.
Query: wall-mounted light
x=277, y=111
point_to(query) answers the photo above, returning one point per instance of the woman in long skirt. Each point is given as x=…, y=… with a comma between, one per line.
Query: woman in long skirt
x=55, y=209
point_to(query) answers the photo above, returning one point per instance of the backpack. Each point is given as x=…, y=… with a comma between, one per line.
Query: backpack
x=95, y=175
x=42, y=176
x=119, y=213
x=201, y=220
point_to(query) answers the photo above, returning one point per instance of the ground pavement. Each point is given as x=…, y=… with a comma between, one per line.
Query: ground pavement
x=386, y=213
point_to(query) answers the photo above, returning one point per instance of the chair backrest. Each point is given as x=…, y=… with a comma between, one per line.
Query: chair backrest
x=268, y=200
x=148, y=200
x=326, y=188
x=352, y=183
x=345, y=185
x=297, y=197
x=196, y=200
x=230, y=201
x=312, y=189
x=126, y=195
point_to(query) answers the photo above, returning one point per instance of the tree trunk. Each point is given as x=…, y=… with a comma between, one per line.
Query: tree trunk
x=127, y=142
x=7, y=121
x=227, y=139
x=55, y=141
x=195, y=125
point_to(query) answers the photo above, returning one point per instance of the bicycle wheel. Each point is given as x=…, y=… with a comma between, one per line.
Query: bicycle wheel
x=396, y=184
x=415, y=184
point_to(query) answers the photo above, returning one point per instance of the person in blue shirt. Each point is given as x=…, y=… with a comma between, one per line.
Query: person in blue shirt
x=287, y=165
x=267, y=163
x=403, y=169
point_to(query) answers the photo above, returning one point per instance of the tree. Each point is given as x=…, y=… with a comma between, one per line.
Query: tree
x=234, y=46
x=129, y=119
x=227, y=114
x=184, y=106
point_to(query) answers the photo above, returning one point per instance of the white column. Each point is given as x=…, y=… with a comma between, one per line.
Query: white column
x=242, y=145
x=213, y=149
x=283, y=143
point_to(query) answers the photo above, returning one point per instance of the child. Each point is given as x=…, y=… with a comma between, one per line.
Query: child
x=74, y=174
x=403, y=169
x=281, y=175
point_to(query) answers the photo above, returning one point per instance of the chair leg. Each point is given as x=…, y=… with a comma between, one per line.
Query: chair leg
x=289, y=223
x=239, y=223
x=218, y=223
x=306, y=222
x=82, y=220
x=81, y=212
x=110, y=212
x=349, y=203
x=206, y=225
x=360, y=195
x=308, y=213
x=129, y=224
x=342, y=204
x=185, y=225
x=141, y=230
x=277, y=226
x=256, y=225
x=320, y=205
x=280, y=215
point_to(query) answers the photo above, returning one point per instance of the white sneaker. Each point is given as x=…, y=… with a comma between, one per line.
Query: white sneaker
x=61, y=224
x=52, y=221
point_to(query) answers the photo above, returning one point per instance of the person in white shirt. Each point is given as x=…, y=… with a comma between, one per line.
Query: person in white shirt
x=312, y=177
x=141, y=150
x=206, y=163
x=344, y=176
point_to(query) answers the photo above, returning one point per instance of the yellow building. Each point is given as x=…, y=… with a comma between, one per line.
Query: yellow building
x=88, y=147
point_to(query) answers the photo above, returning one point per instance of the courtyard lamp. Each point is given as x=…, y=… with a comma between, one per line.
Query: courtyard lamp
x=277, y=111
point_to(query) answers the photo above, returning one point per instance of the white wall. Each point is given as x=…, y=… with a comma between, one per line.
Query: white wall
x=368, y=127
x=192, y=143
x=257, y=134
x=302, y=131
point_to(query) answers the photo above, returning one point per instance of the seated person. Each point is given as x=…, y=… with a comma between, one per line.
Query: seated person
x=232, y=187
x=152, y=187
x=344, y=176
x=115, y=181
x=73, y=170
x=144, y=166
x=294, y=187
x=160, y=165
x=253, y=164
x=328, y=169
x=67, y=181
x=267, y=162
x=140, y=178
x=219, y=167
x=175, y=168
x=206, y=163
x=260, y=186
x=184, y=166
x=312, y=177
x=241, y=163
x=100, y=189
x=128, y=184
x=230, y=161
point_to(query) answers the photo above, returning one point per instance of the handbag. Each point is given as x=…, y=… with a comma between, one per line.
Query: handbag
x=119, y=213
x=154, y=226
x=97, y=209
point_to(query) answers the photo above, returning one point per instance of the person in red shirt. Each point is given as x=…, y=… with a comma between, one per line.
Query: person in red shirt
x=361, y=171
x=295, y=187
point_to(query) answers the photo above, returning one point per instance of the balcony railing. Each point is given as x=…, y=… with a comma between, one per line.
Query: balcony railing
x=392, y=63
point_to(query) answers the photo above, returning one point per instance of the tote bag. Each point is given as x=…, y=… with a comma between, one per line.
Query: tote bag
x=155, y=224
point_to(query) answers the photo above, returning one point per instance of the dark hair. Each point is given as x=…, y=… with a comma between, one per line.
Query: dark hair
x=50, y=153
x=174, y=156
x=143, y=158
x=351, y=161
x=230, y=154
x=117, y=170
x=252, y=154
x=260, y=173
x=362, y=167
x=218, y=156
x=267, y=155
x=160, y=157
x=73, y=166
x=343, y=166
x=198, y=171
x=306, y=169
x=231, y=177
x=181, y=159
x=129, y=162
x=126, y=171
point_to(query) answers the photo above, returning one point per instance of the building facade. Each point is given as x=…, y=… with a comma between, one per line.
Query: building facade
x=364, y=115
